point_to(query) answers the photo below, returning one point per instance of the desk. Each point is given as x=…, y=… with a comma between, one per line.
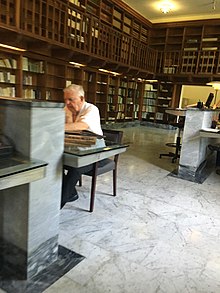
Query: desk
x=74, y=157
x=212, y=133
x=194, y=157
x=176, y=112
x=17, y=170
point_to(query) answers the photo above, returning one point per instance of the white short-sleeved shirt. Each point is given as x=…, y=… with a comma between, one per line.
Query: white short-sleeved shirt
x=89, y=114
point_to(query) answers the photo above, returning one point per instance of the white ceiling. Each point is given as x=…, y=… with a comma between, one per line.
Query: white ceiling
x=185, y=10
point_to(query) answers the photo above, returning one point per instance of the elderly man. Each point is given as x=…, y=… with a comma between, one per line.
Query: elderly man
x=80, y=115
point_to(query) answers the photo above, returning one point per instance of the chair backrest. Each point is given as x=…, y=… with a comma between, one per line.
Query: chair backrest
x=113, y=135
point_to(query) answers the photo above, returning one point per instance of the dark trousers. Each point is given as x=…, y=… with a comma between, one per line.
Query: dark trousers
x=70, y=180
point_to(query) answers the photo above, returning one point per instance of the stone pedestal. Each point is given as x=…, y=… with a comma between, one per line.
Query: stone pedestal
x=194, y=150
x=29, y=213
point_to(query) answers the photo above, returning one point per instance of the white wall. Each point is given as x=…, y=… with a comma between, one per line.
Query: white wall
x=191, y=94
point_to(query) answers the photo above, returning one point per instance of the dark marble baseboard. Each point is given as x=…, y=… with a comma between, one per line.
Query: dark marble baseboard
x=115, y=125
x=19, y=264
x=199, y=175
x=67, y=259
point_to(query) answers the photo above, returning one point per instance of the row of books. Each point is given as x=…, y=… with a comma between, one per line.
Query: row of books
x=150, y=95
x=33, y=66
x=148, y=109
x=7, y=91
x=150, y=102
x=32, y=94
x=6, y=76
x=8, y=63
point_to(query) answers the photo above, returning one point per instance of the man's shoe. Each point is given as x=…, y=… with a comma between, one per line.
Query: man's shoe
x=73, y=197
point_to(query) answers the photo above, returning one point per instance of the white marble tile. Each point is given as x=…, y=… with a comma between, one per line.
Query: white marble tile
x=160, y=234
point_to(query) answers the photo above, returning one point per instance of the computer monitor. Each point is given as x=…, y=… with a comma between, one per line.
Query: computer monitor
x=209, y=100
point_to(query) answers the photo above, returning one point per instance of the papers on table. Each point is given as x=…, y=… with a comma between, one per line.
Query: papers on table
x=211, y=130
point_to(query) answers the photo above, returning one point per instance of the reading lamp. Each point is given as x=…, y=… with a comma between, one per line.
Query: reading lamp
x=216, y=86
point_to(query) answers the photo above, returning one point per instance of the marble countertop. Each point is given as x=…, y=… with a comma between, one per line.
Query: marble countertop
x=16, y=170
x=30, y=103
x=16, y=164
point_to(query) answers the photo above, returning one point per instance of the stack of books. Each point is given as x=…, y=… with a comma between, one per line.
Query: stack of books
x=81, y=138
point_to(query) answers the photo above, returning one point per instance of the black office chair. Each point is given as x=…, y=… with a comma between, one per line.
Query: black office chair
x=105, y=165
x=177, y=144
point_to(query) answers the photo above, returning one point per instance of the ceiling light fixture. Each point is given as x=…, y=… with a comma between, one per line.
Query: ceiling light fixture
x=214, y=4
x=11, y=47
x=166, y=7
x=108, y=71
x=75, y=64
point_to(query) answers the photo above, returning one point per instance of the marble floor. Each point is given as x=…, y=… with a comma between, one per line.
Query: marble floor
x=160, y=234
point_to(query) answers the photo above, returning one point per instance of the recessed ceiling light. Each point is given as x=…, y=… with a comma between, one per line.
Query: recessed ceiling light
x=166, y=6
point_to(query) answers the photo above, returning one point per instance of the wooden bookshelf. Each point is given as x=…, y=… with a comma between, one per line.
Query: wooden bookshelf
x=164, y=101
x=102, y=95
x=9, y=74
x=112, y=99
x=149, y=101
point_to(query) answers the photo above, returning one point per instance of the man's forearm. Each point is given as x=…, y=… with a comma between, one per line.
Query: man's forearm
x=76, y=126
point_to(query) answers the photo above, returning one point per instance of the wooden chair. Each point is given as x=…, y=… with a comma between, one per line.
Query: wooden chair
x=105, y=165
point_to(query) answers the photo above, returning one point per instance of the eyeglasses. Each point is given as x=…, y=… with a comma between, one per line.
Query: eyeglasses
x=71, y=100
